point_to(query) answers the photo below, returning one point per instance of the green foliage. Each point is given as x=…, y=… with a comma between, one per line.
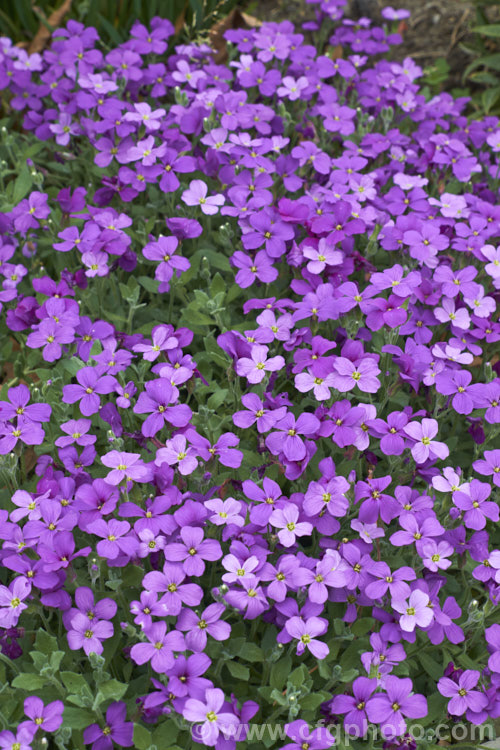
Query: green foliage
x=484, y=69
x=21, y=19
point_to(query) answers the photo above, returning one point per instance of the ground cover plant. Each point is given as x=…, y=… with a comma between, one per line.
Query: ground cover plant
x=248, y=435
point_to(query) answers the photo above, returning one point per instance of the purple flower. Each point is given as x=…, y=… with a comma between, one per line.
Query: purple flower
x=425, y=447
x=471, y=498
x=116, y=540
x=355, y=721
x=125, y=466
x=12, y=601
x=29, y=433
x=267, y=231
x=160, y=649
x=390, y=708
x=287, y=441
x=286, y=520
x=92, y=384
x=88, y=633
x=305, y=632
x=176, y=593
x=50, y=335
x=255, y=367
x=196, y=195
x=116, y=729
x=212, y=716
x=176, y=451
x=20, y=741
x=256, y=413
x=199, y=626
x=19, y=406
x=251, y=269
x=463, y=697
x=315, y=739
x=46, y=717
x=489, y=466
x=362, y=374
x=163, y=251
x=156, y=399
x=193, y=550
x=415, y=612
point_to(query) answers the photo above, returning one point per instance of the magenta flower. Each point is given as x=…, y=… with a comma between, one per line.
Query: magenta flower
x=425, y=447
x=212, y=716
x=116, y=729
x=255, y=367
x=305, y=631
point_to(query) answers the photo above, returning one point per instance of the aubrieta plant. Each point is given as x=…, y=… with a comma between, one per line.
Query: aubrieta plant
x=249, y=437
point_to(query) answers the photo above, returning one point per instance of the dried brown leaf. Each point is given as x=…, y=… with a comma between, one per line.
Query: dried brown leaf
x=42, y=36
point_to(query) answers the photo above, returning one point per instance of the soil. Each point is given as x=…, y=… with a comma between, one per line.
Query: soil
x=436, y=30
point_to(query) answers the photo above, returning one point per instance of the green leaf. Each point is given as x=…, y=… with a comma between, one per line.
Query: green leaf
x=362, y=626
x=22, y=185
x=165, y=734
x=44, y=642
x=239, y=671
x=78, y=718
x=27, y=681
x=298, y=677
x=217, y=398
x=490, y=97
x=251, y=652
x=218, y=285
x=110, y=690
x=490, y=29
x=142, y=738
x=73, y=681
x=280, y=671
x=194, y=317
x=312, y=701
x=150, y=285
x=430, y=665
x=72, y=365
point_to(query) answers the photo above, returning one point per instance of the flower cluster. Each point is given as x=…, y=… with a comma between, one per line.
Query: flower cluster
x=249, y=446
